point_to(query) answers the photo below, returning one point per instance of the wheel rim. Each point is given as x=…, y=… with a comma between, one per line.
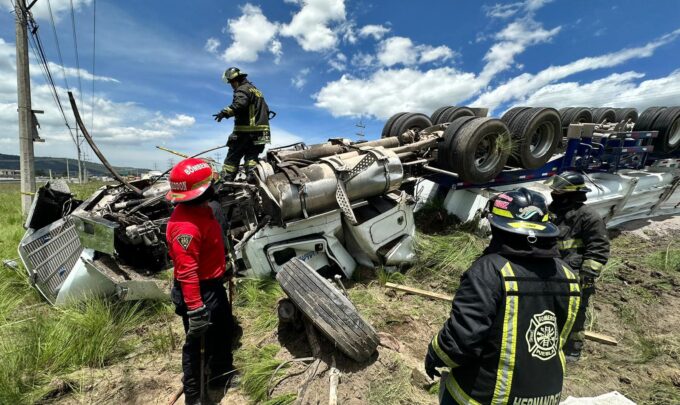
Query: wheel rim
x=541, y=139
x=674, y=134
x=487, y=153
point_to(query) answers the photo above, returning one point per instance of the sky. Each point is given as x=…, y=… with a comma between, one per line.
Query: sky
x=329, y=68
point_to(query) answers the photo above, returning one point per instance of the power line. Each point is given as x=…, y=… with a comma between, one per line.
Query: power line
x=75, y=47
x=56, y=41
x=94, y=48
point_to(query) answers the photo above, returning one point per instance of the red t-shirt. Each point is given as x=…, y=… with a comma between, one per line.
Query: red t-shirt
x=196, y=248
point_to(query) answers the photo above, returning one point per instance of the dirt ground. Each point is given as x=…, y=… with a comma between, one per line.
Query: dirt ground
x=637, y=303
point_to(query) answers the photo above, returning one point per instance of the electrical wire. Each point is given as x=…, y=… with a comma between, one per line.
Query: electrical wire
x=56, y=41
x=94, y=49
x=75, y=47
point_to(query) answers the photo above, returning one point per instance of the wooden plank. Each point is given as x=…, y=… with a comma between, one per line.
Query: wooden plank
x=417, y=291
x=601, y=338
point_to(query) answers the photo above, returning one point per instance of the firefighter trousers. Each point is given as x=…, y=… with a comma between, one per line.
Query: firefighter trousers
x=242, y=146
x=578, y=329
x=218, y=358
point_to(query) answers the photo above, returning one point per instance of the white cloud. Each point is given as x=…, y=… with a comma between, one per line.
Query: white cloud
x=431, y=54
x=507, y=10
x=396, y=50
x=211, y=45
x=181, y=120
x=389, y=91
x=311, y=26
x=251, y=34
x=338, y=62
x=300, y=79
x=40, y=9
x=401, y=50
x=363, y=60
x=373, y=30
x=526, y=83
x=615, y=90
x=73, y=72
x=512, y=41
x=276, y=49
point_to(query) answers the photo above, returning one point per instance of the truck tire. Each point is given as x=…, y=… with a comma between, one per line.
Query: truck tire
x=668, y=125
x=415, y=121
x=510, y=115
x=646, y=119
x=438, y=112
x=603, y=114
x=328, y=310
x=479, y=150
x=625, y=114
x=444, y=150
x=452, y=113
x=389, y=124
x=535, y=134
x=575, y=115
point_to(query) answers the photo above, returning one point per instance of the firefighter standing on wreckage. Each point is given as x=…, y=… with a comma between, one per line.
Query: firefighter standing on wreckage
x=511, y=315
x=196, y=248
x=583, y=244
x=251, y=125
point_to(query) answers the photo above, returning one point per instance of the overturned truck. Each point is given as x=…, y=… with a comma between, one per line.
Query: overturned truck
x=317, y=212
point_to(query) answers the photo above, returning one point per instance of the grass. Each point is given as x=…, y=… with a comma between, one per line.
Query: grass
x=256, y=301
x=258, y=366
x=40, y=344
x=667, y=260
x=440, y=260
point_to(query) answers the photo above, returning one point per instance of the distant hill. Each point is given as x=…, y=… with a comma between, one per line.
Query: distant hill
x=58, y=166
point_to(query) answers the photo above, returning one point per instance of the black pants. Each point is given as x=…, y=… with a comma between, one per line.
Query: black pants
x=218, y=339
x=242, y=148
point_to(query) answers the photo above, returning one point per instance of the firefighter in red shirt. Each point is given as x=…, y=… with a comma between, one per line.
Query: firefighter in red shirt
x=197, y=250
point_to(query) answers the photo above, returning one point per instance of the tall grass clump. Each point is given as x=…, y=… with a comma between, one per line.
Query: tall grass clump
x=258, y=366
x=666, y=260
x=256, y=301
x=441, y=259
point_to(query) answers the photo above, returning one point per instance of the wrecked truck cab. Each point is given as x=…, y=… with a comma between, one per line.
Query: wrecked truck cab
x=86, y=251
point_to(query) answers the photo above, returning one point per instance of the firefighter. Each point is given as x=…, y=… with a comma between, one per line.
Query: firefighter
x=251, y=124
x=583, y=244
x=196, y=248
x=511, y=314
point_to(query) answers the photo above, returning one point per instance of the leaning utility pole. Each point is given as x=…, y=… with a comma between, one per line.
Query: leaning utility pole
x=26, y=157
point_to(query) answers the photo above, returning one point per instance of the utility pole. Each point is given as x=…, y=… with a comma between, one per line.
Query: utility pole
x=26, y=156
x=68, y=173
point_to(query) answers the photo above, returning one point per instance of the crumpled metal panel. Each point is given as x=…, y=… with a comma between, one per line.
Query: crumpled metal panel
x=49, y=255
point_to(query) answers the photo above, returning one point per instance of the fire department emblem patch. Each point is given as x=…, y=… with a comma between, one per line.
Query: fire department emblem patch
x=542, y=335
x=184, y=240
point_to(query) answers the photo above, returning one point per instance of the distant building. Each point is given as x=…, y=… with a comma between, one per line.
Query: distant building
x=10, y=173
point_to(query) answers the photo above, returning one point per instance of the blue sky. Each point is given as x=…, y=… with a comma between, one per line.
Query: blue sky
x=325, y=64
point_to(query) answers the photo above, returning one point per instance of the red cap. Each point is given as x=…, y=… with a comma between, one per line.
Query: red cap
x=189, y=179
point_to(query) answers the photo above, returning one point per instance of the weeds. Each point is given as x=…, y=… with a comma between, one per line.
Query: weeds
x=440, y=260
x=667, y=260
x=258, y=366
x=256, y=303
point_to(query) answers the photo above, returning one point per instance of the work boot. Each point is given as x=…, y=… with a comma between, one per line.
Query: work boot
x=572, y=350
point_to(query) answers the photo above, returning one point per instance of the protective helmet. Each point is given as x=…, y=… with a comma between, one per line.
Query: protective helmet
x=189, y=179
x=232, y=73
x=522, y=212
x=568, y=182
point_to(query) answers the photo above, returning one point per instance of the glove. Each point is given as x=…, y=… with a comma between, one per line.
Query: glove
x=221, y=115
x=431, y=363
x=199, y=321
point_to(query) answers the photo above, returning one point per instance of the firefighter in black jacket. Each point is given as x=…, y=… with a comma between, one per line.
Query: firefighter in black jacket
x=511, y=314
x=251, y=124
x=583, y=244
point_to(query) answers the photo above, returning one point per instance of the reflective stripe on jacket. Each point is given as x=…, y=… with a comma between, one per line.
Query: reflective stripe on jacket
x=583, y=243
x=509, y=320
